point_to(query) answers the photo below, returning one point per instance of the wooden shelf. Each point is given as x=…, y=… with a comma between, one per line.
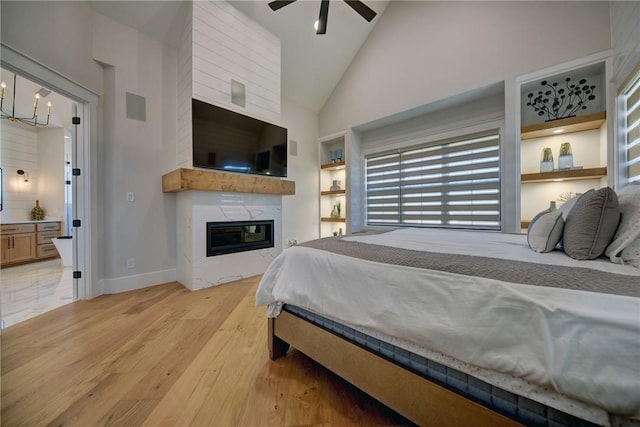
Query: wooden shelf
x=571, y=124
x=330, y=219
x=564, y=175
x=333, y=166
x=194, y=179
x=525, y=224
x=333, y=192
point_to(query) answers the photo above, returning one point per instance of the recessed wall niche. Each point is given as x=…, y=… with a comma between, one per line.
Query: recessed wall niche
x=593, y=74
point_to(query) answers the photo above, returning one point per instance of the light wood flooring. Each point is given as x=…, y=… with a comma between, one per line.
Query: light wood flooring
x=166, y=356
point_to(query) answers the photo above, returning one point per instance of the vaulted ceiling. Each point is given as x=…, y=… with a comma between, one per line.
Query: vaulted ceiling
x=312, y=65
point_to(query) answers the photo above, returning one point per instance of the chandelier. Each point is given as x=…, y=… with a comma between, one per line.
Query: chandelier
x=31, y=121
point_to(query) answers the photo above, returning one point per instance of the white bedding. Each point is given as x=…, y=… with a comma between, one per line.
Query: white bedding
x=582, y=344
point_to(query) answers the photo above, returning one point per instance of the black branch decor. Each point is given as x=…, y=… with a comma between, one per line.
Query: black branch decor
x=561, y=102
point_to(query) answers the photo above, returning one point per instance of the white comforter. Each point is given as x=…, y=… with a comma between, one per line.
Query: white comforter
x=582, y=344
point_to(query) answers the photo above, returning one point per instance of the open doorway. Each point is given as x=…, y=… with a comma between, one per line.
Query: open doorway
x=36, y=154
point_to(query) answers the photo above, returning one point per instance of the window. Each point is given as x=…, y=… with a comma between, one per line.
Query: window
x=453, y=183
x=631, y=129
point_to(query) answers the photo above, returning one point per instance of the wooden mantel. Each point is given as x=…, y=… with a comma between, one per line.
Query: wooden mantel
x=200, y=180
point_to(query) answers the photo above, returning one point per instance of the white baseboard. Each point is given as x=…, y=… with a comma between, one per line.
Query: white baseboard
x=139, y=281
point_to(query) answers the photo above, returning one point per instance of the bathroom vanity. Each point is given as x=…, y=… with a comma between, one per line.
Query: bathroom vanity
x=27, y=241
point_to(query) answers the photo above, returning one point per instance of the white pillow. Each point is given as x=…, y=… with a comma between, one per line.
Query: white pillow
x=629, y=228
x=545, y=231
x=631, y=254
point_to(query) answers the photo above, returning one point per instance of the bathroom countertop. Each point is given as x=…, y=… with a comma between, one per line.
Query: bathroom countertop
x=27, y=221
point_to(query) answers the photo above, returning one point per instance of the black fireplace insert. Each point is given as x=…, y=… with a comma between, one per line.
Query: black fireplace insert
x=237, y=236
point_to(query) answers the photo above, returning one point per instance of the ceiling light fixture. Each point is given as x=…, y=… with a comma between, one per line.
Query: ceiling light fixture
x=558, y=131
x=321, y=24
x=31, y=121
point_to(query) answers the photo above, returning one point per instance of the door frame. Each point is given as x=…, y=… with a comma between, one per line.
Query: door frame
x=85, y=241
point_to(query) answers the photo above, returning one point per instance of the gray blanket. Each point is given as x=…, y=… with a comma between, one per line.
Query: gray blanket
x=557, y=276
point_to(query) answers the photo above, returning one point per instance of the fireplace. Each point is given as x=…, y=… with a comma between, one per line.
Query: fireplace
x=238, y=236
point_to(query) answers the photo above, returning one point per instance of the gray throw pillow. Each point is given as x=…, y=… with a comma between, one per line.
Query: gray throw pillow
x=591, y=224
x=545, y=231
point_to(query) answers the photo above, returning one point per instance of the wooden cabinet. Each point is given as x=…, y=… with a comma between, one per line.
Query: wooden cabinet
x=333, y=186
x=46, y=231
x=18, y=243
x=27, y=242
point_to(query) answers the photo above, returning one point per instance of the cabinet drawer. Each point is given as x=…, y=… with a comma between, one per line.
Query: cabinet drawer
x=47, y=226
x=17, y=228
x=46, y=250
x=46, y=236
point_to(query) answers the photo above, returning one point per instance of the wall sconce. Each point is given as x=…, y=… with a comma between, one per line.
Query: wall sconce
x=25, y=177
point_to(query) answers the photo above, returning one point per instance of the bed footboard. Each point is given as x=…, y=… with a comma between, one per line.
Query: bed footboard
x=418, y=399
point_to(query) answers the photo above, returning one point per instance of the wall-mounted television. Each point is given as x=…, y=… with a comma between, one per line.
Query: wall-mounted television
x=232, y=142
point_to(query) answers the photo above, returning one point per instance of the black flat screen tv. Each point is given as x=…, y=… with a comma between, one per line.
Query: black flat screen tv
x=232, y=142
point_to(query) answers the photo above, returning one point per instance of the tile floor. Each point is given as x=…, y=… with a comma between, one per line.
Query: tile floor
x=32, y=289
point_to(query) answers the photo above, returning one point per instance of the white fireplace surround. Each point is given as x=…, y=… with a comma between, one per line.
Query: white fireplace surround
x=194, y=209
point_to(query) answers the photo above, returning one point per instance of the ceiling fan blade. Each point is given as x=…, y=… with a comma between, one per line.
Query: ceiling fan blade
x=365, y=11
x=322, y=20
x=277, y=4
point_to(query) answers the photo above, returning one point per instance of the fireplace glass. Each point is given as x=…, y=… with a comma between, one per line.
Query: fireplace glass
x=238, y=236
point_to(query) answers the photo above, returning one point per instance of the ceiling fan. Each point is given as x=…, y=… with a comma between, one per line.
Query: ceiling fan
x=363, y=10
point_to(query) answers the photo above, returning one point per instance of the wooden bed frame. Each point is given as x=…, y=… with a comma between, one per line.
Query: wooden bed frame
x=416, y=398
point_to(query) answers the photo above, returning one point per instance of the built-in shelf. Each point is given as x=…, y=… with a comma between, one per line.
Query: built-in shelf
x=334, y=166
x=565, y=175
x=333, y=192
x=525, y=224
x=568, y=125
x=331, y=219
x=194, y=179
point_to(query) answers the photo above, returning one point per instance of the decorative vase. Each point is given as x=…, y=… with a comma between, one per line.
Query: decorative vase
x=334, y=212
x=546, y=160
x=565, y=160
x=336, y=185
x=552, y=206
x=37, y=213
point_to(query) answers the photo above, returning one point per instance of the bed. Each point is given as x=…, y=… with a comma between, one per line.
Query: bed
x=463, y=327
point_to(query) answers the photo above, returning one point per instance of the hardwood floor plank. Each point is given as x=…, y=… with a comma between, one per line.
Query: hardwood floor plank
x=168, y=356
x=105, y=395
x=128, y=413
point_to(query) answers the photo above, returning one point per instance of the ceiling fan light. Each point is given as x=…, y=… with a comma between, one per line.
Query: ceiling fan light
x=315, y=25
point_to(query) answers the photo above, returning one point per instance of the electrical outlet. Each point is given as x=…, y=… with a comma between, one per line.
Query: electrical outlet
x=130, y=196
x=131, y=263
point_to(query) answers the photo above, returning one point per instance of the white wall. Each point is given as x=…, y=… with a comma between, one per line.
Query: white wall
x=625, y=38
x=57, y=34
x=300, y=211
x=19, y=150
x=184, y=145
x=136, y=154
x=420, y=52
x=227, y=45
